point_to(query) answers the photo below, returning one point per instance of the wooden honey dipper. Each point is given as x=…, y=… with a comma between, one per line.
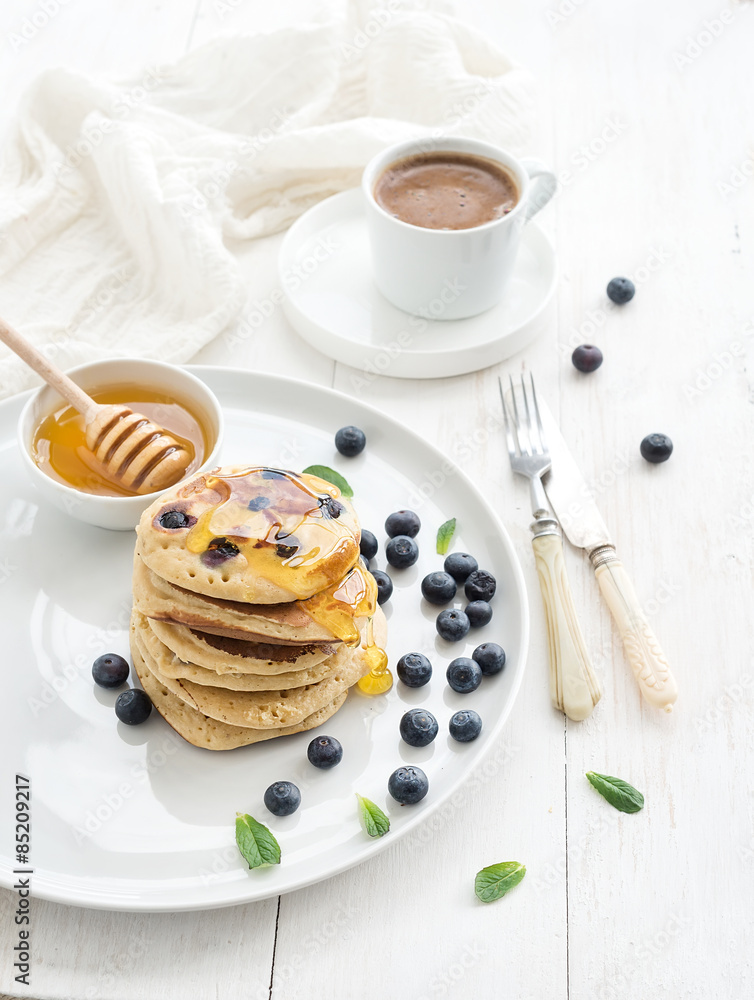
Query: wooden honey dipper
x=132, y=451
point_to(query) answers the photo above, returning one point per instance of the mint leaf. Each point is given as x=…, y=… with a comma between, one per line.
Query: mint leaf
x=330, y=476
x=255, y=842
x=373, y=819
x=617, y=792
x=444, y=533
x=492, y=883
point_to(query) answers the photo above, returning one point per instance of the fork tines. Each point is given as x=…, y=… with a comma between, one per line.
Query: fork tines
x=523, y=437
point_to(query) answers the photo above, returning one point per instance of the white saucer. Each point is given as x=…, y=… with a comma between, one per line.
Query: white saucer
x=331, y=300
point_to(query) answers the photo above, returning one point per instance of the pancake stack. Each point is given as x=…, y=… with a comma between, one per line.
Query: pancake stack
x=253, y=611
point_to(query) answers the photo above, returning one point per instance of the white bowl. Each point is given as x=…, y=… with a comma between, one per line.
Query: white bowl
x=117, y=513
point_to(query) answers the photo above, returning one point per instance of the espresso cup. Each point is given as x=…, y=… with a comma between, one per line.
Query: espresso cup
x=450, y=273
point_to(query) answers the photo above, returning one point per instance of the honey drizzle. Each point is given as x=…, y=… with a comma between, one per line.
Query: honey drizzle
x=294, y=519
x=379, y=680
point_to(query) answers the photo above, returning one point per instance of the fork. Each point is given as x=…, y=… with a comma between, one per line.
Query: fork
x=574, y=688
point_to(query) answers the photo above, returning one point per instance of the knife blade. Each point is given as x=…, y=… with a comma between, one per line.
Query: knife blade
x=573, y=503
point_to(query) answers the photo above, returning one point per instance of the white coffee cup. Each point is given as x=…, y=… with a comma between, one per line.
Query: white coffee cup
x=450, y=273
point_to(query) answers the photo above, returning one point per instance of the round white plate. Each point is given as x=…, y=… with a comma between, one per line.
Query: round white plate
x=332, y=301
x=134, y=818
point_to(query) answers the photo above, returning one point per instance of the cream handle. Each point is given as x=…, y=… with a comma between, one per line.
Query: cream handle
x=574, y=688
x=53, y=376
x=651, y=669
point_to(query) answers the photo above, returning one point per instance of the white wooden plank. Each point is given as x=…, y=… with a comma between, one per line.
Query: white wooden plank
x=657, y=901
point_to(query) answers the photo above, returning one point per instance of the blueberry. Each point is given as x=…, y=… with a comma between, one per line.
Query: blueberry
x=401, y=551
x=656, y=448
x=273, y=474
x=403, y=522
x=110, y=670
x=332, y=507
x=463, y=675
x=324, y=752
x=133, y=706
x=480, y=586
x=368, y=545
x=173, y=519
x=620, y=291
x=490, y=657
x=418, y=727
x=350, y=441
x=414, y=669
x=439, y=588
x=465, y=726
x=218, y=550
x=282, y=798
x=479, y=613
x=408, y=785
x=587, y=358
x=384, y=586
x=452, y=625
x=460, y=565
x=259, y=503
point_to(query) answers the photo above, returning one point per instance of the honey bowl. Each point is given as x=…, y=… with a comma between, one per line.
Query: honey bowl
x=51, y=435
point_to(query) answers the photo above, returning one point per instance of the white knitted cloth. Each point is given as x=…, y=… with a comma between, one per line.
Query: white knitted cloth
x=116, y=199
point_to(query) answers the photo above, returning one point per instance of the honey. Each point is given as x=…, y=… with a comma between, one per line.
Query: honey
x=59, y=445
x=379, y=680
x=293, y=531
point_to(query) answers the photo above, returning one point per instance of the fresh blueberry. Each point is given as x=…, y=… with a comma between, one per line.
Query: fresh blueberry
x=460, y=565
x=490, y=657
x=384, y=586
x=403, y=522
x=620, y=291
x=587, y=358
x=273, y=474
x=350, y=441
x=452, y=625
x=656, y=448
x=465, y=726
x=368, y=544
x=324, y=752
x=218, y=550
x=259, y=503
x=110, y=670
x=464, y=675
x=133, y=706
x=479, y=613
x=408, y=785
x=282, y=798
x=401, y=551
x=414, y=669
x=439, y=588
x=173, y=519
x=480, y=586
x=418, y=727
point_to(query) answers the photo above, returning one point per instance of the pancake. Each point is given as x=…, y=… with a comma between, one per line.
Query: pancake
x=209, y=734
x=278, y=623
x=251, y=534
x=175, y=668
x=218, y=654
x=271, y=709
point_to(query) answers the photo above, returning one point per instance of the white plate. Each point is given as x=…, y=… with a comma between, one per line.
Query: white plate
x=154, y=814
x=331, y=300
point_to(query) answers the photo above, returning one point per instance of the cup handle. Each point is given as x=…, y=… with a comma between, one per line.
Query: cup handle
x=544, y=186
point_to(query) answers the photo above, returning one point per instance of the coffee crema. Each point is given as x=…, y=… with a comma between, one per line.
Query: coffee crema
x=446, y=190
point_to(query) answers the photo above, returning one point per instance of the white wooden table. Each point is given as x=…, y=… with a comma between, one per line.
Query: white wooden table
x=648, y=115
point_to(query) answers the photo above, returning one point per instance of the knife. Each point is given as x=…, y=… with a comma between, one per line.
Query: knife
x=572, y=501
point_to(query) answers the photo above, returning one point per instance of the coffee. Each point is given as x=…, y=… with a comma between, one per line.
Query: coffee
x=446, y=190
